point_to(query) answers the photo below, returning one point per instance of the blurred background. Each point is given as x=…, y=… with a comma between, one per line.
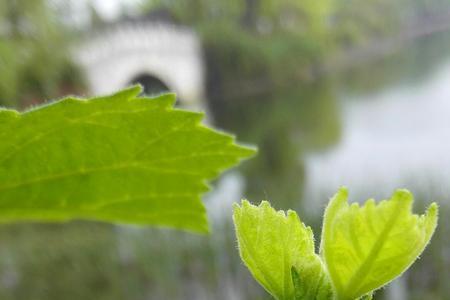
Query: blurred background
x=334, y=92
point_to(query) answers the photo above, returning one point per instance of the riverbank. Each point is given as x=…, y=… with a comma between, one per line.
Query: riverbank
x=236, y=80
x=377, y=49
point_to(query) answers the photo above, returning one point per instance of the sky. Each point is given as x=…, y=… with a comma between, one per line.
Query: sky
x=109, y=10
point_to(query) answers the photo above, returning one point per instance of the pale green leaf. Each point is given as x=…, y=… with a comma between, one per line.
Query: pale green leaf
x=272, y=244
x=366, y=247
x=118, y=158
x=312, y=283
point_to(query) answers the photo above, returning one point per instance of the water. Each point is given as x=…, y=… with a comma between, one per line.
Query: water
x=375, y=128
x=398, y=136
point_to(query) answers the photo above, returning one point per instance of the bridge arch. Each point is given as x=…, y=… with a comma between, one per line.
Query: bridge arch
x=113, y=58
x=150, y=84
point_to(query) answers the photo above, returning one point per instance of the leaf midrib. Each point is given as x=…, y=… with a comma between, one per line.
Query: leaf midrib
x=366, y=266
x=137, y=165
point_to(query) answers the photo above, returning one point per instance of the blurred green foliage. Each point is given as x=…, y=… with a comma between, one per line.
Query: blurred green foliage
x=254, y=43
x=34, y=54
x=257, y=44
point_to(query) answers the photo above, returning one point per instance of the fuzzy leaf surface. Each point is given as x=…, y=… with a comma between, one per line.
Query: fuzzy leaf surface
x=366, y=247
x=278, y=249
x=119, y=158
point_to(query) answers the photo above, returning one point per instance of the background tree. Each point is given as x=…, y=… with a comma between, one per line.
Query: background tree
x=34, y=54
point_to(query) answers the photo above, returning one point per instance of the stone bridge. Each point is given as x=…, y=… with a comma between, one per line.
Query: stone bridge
x=161, y=56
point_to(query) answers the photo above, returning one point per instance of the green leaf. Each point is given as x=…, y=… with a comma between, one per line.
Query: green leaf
x=272, y=244
x=311, y=284
x=367, y=297
x=119, y=158
x=366, y=247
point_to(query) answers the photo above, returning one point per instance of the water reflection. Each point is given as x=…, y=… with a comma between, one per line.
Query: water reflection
x=395, y=137
x=284, y=124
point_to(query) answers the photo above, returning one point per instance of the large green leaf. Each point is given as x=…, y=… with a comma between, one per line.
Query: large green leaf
x=118, y=158
x=272, y=245
x=366, y=247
